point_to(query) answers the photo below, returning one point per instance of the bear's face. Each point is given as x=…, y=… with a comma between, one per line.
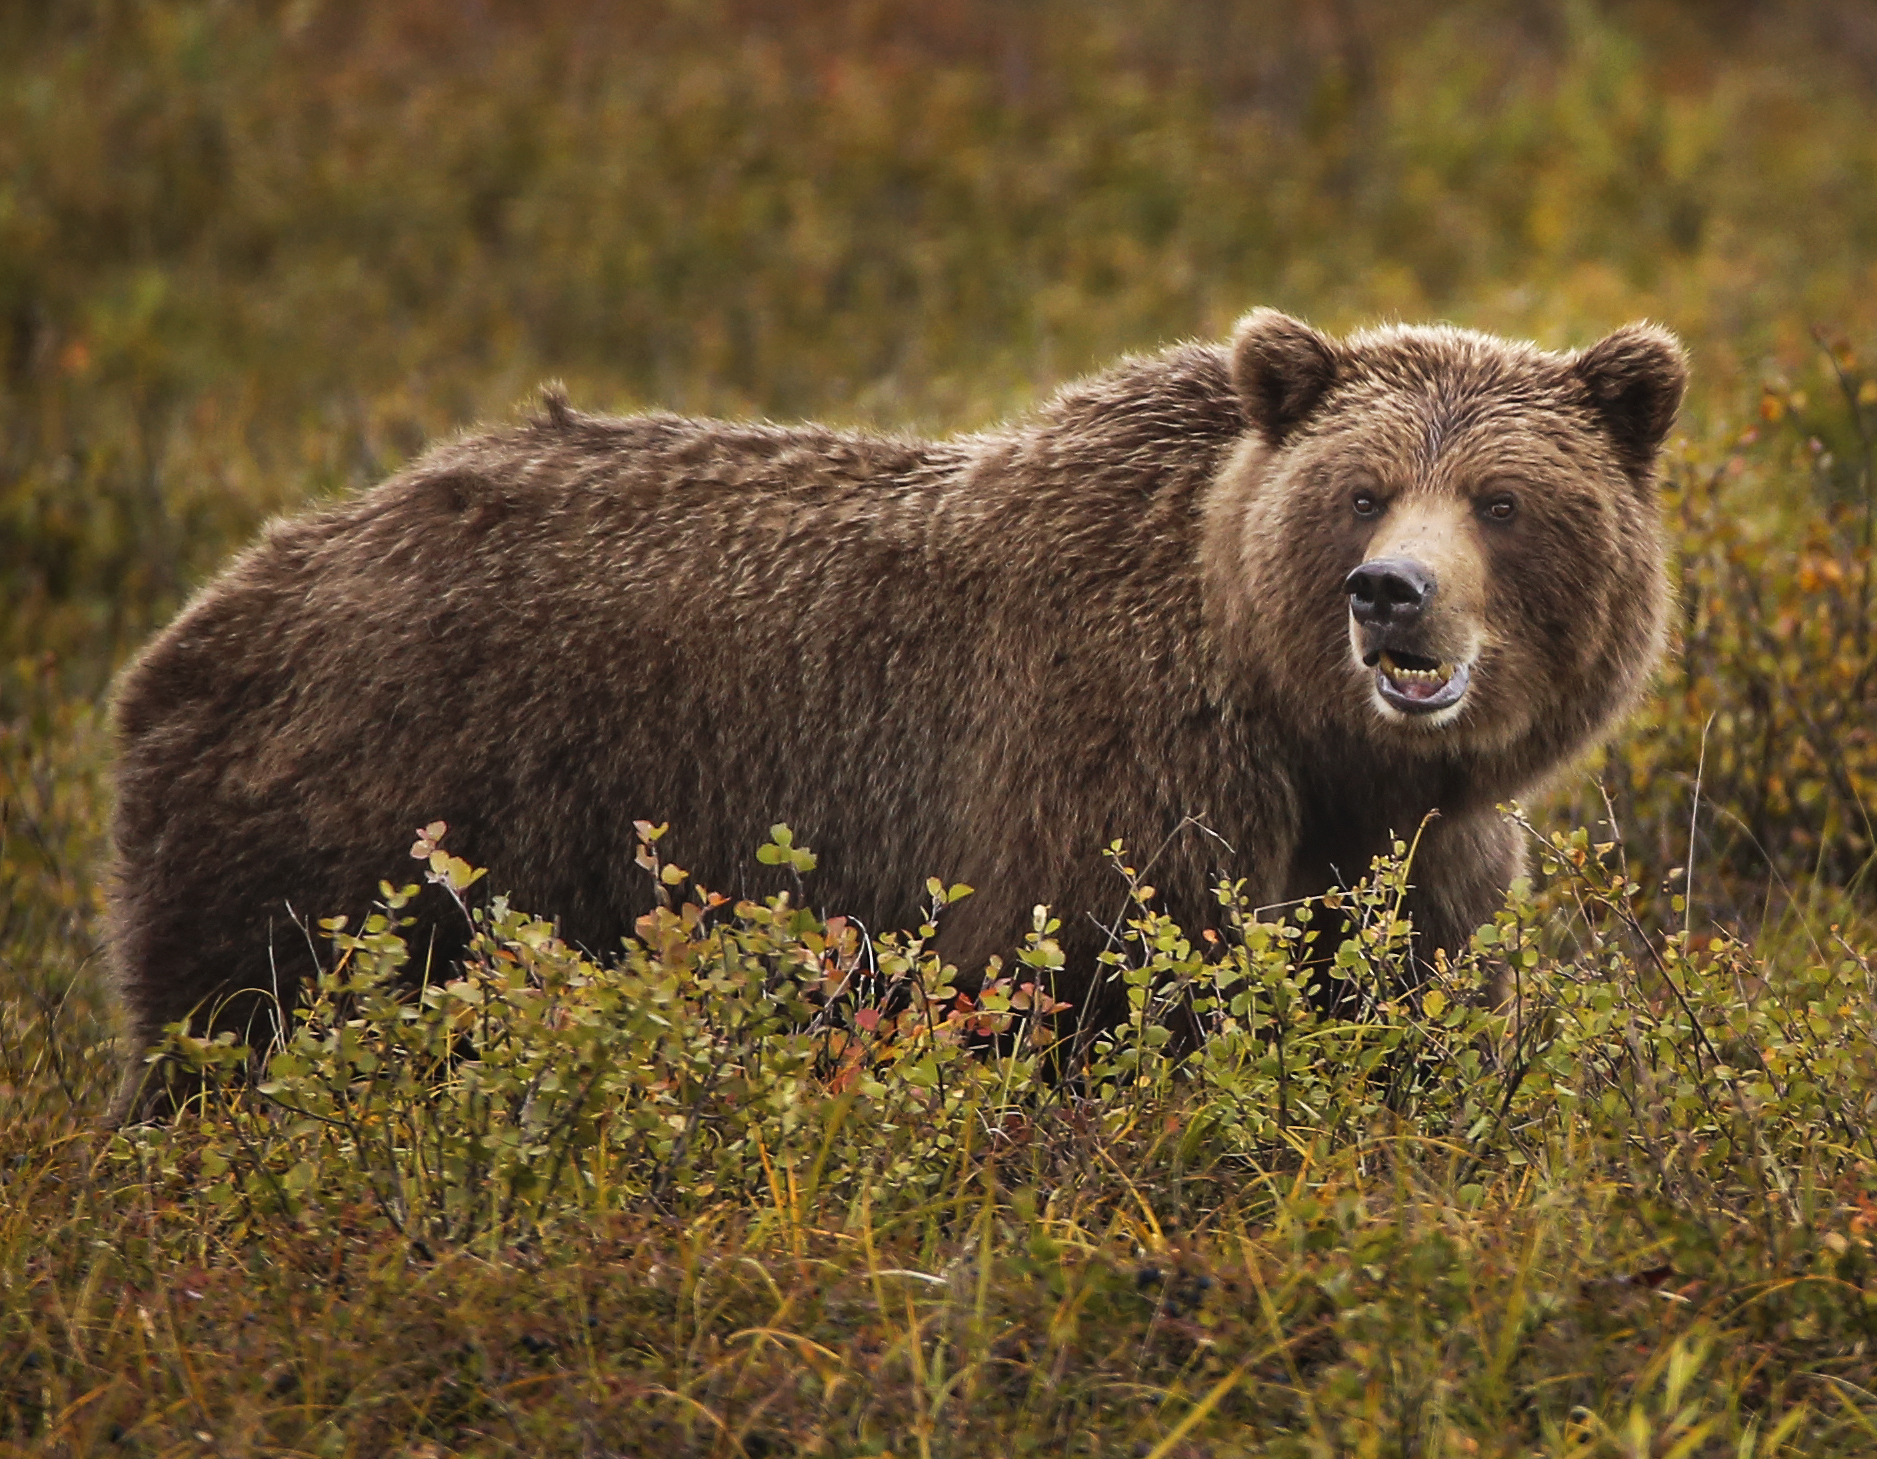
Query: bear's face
x=1442, y=541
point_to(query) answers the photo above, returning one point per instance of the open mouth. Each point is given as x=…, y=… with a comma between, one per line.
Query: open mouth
x=1417, y=685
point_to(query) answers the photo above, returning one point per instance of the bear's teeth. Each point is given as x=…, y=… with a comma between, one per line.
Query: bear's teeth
x=1396, y=672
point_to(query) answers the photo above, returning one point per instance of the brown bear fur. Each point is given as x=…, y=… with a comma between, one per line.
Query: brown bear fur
x=982, y=658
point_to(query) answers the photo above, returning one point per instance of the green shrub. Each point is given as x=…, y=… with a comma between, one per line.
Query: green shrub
x=733, y=1052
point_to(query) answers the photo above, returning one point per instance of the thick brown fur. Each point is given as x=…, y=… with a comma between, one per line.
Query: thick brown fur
x=981, y=659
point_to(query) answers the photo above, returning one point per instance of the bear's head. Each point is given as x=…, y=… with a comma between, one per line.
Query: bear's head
x=1445, y=543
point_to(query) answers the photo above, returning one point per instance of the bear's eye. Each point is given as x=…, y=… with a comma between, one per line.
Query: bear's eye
x=1501, y=507
x=1366, y=504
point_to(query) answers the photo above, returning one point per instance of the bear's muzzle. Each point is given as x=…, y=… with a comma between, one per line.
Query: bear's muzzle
x=1389, y=603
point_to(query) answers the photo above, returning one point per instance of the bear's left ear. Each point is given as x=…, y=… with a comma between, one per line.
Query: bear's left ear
x=1281, y=368
x=1635, y=379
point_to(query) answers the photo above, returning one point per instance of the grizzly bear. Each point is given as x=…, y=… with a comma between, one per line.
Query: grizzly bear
x=1251, y=609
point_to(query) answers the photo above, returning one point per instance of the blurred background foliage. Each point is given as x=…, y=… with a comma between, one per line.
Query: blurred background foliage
x=252, y=254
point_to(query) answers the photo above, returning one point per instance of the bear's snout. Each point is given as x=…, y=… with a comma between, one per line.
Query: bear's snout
x=1419, y=670
x=1389, y=590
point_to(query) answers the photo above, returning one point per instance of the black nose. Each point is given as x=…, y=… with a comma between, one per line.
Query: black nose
x=1389, y=590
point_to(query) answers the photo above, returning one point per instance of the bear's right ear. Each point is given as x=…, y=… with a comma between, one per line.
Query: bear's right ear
x=1282, y=368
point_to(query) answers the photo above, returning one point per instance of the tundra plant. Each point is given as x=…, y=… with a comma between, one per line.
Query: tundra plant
x=756, y=1053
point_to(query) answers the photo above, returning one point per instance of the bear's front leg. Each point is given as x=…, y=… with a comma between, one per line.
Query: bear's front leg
x=1457, y=881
